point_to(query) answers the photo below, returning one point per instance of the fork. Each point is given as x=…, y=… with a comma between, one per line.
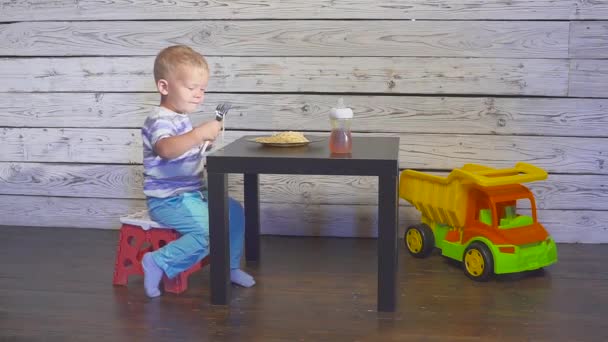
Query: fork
x=220, y=111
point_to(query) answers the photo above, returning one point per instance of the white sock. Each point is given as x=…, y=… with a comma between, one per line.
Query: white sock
x=239, y=277
x=152, y=275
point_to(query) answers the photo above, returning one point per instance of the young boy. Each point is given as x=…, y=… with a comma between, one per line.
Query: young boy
x=173, y=171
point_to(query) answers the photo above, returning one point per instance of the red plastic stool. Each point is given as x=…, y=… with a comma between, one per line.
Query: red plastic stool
x=138, y=236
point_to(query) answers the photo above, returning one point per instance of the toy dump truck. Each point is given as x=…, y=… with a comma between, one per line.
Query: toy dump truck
x=480, y=216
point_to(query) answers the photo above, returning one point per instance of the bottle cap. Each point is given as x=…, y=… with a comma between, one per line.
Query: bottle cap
x=341, y=112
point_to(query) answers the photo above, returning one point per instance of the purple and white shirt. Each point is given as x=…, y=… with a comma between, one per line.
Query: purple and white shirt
x=169, y=177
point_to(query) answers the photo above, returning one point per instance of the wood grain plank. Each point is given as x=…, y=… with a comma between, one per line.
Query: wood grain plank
x=48, y=211
x=406, y=114
x=521, y=39
x=420, y=151
x=72, y=180
x=576, y=226
x=589, y=39
x=554, y=154
x=584, y=192
x=72, y=145
x=300, y=9
x=594, y=9
x=589, y=78
x=103, y=110
x=397, y=75
x=276, y=219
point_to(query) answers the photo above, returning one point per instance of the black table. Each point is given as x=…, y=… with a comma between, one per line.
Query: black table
x=371, y=156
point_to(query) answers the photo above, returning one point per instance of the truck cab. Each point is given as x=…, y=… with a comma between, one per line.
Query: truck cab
x=503, y=219
x=504, y=215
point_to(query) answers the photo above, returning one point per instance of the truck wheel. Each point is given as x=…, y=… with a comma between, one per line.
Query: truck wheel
x=419, y=240
x=478, y=262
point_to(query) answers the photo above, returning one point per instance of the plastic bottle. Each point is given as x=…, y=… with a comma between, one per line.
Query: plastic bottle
x=340, y=140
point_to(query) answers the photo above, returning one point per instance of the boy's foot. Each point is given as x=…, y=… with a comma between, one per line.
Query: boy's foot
x=239, y=277
x=152, y=275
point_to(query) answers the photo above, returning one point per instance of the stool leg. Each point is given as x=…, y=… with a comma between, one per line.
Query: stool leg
x=176, y=285
x=120, y=275
x=158, y=238
x=179, y=284
x=127, y=262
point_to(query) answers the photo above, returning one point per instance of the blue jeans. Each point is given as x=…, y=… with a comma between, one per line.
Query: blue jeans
x=188, y=213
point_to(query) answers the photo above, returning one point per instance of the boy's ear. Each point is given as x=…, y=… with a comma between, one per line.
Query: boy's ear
x=163, y=86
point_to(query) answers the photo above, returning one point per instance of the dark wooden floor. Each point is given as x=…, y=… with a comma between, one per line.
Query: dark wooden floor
x=55, y=285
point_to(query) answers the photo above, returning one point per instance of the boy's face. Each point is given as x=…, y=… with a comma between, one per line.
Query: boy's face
x=183, y=91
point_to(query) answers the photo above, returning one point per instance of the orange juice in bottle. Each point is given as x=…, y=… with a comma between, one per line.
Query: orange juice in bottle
x=340, y=140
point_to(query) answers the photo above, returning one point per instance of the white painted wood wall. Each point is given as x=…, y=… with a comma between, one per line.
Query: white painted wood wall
x=491, y=82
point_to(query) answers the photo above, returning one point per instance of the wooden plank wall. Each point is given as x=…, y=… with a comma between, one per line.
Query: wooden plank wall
x=491, y=82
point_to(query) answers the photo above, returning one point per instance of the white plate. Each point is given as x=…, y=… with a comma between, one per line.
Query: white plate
x=316, y=139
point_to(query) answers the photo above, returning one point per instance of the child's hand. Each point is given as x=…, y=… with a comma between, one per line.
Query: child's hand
x=208, y=130
x=172, y=147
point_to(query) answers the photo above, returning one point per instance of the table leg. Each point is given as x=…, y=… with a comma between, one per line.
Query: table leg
x=218, y=234
x=252, y=217
x=388, y=212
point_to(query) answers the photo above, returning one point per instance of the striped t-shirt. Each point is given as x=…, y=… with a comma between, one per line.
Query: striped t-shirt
x=169, y=177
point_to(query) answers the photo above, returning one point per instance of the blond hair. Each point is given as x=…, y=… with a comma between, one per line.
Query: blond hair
x=173, y=57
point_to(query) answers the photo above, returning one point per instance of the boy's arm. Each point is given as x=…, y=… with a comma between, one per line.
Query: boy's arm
x=175, y=146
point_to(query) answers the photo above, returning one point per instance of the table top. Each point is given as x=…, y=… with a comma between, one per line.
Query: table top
x=371, y=155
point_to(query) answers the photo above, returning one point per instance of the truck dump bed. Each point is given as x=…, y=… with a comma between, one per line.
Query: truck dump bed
x=444, y=199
